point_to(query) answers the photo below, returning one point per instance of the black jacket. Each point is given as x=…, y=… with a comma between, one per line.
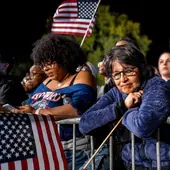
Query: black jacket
x=11, y=91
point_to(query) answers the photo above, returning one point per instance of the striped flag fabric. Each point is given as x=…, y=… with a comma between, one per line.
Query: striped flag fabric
x=30, y=142
x=74, y=17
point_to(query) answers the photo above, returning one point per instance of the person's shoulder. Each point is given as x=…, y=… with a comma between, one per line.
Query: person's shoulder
x=156, y=80
x=47, y=80
x=85, y=77
x=156, y=84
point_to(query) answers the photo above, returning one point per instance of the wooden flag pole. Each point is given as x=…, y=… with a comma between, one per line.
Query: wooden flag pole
x=89, y=24
x=102, y=143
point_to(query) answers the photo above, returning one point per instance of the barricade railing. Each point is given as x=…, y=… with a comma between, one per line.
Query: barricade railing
x=75, y=121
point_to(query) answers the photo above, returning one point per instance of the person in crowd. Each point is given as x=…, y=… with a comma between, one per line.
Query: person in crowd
x=65, y=93
x=127, y=40
x=33, y=79
x=108, y=83
x=11, y=89
x=141, y=99
x=164, y=65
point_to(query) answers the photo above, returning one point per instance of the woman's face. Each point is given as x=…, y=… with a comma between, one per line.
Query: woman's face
x=126, y=77
x=164, y=65
x=51, y=69
x=101, y=67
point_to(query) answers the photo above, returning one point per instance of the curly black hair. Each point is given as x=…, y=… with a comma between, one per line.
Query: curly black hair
x=58, y=48
x=130, y=55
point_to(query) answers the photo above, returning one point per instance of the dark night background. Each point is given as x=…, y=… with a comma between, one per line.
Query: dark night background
x=23, y=22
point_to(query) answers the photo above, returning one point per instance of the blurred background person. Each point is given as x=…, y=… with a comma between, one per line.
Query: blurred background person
x=11, y=89
x=127, y=40
x=108, y=83
x=164, y=65
x=33, y=79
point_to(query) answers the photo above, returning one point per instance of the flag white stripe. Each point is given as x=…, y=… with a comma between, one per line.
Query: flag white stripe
x=70, y=20
x=47, y=144
x=30, y=164
x=71, y=25
x=68, y=9
x=18, y=165
x=66, y=15
x=57, y=149
x=4, y=166
x=37, y=143
x=68, y=4
x=69, y=30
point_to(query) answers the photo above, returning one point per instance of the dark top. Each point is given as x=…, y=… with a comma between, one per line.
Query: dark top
x=11, y=91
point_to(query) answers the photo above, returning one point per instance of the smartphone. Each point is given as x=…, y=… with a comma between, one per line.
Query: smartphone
x=8, y=107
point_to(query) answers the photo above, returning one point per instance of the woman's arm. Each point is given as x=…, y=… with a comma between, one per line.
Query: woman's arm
x=106, y=110
x=154, y=109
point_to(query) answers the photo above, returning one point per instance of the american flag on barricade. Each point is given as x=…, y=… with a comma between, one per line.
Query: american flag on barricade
x=30, y=142
x=74, y=17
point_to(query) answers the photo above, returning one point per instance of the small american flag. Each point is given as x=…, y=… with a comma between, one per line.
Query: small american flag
x=30, y=142
x=74, y=17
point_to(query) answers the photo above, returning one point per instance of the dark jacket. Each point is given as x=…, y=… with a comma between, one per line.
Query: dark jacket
x=11, y=91
x=142, y=120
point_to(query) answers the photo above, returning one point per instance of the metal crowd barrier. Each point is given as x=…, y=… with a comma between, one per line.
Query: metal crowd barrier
x=75, y=121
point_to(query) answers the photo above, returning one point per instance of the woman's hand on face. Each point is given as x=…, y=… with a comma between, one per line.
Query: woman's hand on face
x=133, y=99
x=24, y=109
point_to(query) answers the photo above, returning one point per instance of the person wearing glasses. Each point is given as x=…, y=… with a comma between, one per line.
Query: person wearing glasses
x=65, y=93
x=33, y=79
x=142, y=100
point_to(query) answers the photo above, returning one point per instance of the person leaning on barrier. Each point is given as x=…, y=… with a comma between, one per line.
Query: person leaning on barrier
x=108, y=82
x=142, y=98
x=65, y=93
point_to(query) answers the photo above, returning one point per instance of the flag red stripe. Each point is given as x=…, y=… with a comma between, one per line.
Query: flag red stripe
x=11, y=166
x=60, y=145
x=56, y=163
x=35, y=163
x=78, y=28
x=43, y=147
x=68, y=1
x=68, y=12
x=24, y=165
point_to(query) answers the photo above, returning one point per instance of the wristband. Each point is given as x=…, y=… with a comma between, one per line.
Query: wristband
x=37, y=111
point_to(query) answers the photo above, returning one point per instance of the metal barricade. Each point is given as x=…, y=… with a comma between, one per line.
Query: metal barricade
x=75, y=121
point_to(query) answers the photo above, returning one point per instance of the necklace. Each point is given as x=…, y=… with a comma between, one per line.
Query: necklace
x=59, y=84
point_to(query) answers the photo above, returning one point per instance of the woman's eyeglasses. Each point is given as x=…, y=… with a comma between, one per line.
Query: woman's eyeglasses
x=48, y=65
x=127, y=72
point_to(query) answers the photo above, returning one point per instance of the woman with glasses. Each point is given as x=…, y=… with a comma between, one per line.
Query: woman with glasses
x=65, y=93
x=33, y=79
x=143, y=99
